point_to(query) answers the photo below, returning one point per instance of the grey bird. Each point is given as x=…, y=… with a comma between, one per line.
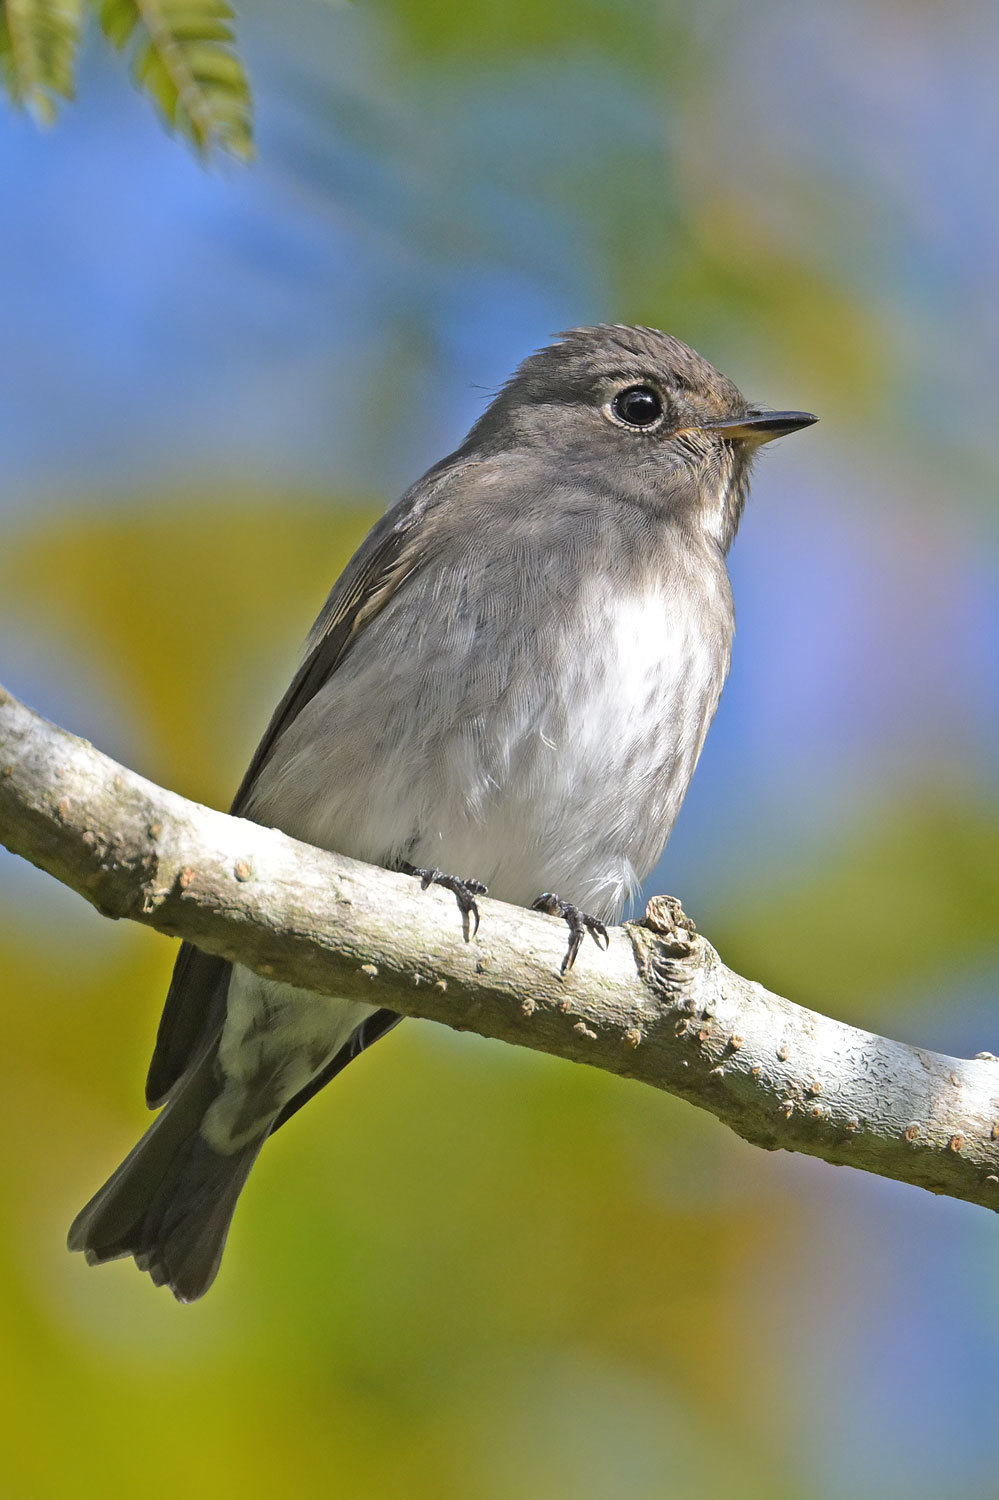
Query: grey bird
x=512, y=678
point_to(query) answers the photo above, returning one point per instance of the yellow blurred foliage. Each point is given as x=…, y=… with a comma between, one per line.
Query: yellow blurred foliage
x=457, y=1250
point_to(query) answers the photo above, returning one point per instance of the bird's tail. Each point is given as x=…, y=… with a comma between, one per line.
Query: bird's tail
x=170, y=1202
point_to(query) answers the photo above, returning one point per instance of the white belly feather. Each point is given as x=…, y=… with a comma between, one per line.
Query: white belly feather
x=569, y=780
x=635, y=698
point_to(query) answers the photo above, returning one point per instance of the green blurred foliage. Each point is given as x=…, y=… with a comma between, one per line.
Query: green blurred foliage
x=189, y=604
x=453, y=1237
x=501, y=30
x=38, y=41
x=678, y=244
x=877, y=925
x=182, y=56
x=462, y=1269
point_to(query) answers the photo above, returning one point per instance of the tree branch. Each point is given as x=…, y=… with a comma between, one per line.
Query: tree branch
x=659, y=1006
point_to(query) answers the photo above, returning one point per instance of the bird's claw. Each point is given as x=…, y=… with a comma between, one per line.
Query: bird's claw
x=579, y=924
x=464, y=892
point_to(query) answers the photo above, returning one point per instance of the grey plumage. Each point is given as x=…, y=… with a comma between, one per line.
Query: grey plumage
x=511, y=680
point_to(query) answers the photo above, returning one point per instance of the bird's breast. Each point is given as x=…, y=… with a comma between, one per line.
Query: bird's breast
x=637, y=689
x=536, y=731
x=572, y=776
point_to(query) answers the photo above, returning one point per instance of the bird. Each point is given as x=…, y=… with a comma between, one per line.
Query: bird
x=512, y=678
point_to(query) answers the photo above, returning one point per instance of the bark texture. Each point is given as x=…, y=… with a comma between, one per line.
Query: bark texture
x=659, y=1006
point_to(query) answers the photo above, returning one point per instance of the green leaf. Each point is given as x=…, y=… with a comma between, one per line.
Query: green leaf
x=150, y=73
x=118, y=20
x=38, y=41
x=183, y=58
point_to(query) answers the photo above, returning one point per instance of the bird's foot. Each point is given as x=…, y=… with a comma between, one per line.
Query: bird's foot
x=578, y=922
x=464, y=892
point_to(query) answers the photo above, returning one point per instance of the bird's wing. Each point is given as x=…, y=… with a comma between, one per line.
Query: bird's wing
x=195, y=1002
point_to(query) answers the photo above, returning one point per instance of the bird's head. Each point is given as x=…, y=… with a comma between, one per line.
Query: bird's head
x=645, y=413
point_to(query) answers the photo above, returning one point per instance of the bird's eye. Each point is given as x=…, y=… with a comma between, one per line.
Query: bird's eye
x=638, y=406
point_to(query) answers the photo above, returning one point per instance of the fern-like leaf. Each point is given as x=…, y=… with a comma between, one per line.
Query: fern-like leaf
x=38, y=40
x=182, y=55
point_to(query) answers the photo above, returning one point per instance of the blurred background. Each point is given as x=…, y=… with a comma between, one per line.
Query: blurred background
x=471, y=1271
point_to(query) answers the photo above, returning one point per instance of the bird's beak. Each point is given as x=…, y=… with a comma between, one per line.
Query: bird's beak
x=762, y=426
